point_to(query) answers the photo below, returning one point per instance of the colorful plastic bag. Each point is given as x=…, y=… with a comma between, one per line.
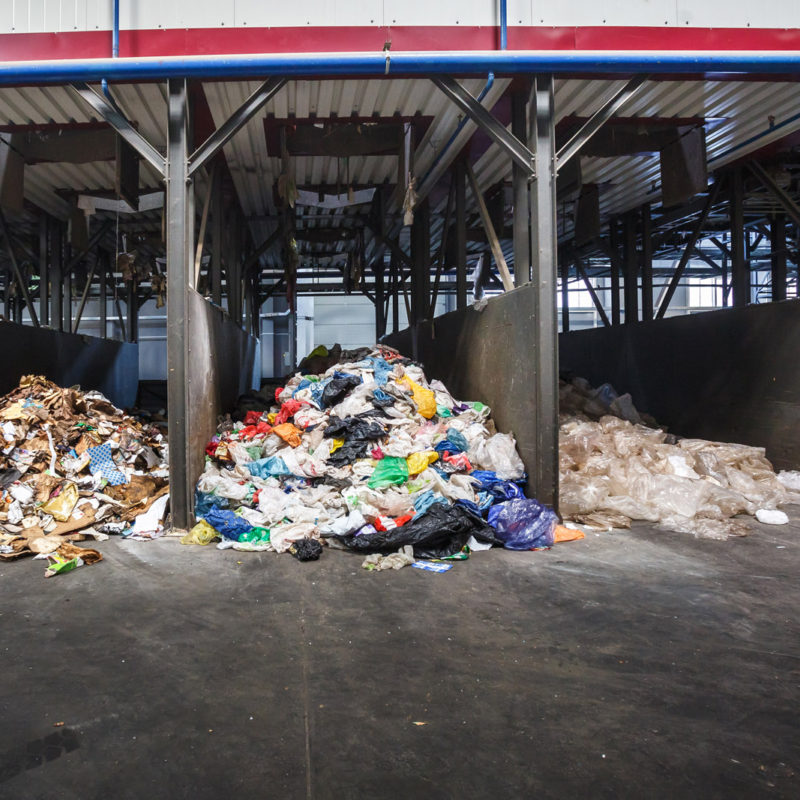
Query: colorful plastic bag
x=523, y=524
x=391, y=471
x=424, y=398
x=417, y=462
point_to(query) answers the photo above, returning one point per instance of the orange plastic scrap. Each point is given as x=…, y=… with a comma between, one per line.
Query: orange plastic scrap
x=289, y=433
x=564, y=534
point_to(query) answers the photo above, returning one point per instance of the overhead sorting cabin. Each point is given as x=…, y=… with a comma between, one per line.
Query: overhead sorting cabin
x=371, y=457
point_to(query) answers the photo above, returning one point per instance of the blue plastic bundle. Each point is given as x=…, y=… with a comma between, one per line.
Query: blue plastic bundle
x=227, y=524
x=523, y=524
x=268, y=467
x=497, y=487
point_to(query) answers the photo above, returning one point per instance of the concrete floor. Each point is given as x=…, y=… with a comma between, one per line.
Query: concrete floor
x=635, y=664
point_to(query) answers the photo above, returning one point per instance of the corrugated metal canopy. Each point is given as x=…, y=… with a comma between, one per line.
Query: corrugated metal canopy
x=748, y=115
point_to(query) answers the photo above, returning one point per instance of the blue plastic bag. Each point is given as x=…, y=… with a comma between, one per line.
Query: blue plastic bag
x=502, y=490
x=426, y=499
x=458, y=439
x=268, y=467
x=203, y=503
x=523, y=524
x=446, y=446
x=227, y=524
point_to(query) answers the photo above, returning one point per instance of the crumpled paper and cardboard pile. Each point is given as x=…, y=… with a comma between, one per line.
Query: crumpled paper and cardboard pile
x=74, y=467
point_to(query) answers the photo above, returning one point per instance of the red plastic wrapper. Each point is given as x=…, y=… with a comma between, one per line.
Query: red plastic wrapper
x=288, y=410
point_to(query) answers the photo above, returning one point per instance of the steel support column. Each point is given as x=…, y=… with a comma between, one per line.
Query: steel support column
x=56, y=275
x=132, y=307
x=519, y=179
x=380, y=321
x=647, y=263
x=394, y=269
x=564, y=295
x=217, y=227
x=421, y=258
x=460, y=177
x=44, y=272
x=544, y=269
x=104, y=263
x=740, y=267
x=613, y=244
x=631, y=267
x=777, y=237
x=180, y=240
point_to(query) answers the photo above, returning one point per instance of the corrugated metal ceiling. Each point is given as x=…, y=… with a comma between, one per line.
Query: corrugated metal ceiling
x=742, y=111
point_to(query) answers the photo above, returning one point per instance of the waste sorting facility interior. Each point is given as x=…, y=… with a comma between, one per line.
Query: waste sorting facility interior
x=673, y=166
x=500, y=190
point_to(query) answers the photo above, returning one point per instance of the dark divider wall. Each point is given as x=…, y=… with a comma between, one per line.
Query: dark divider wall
x=222, y=359
x=109, y=366
x=484, y=355
x=729, y=375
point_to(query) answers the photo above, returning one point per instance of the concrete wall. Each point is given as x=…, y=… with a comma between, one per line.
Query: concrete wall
x=484, y=355
x=728, y=375
x=224, y=362
x=66, y=358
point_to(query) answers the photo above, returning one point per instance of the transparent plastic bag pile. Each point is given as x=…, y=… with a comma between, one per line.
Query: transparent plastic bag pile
x=613, y=469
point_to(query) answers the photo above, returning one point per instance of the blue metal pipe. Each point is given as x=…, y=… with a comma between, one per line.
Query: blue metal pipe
x=506, y=62
x=114, y=53
x=115, y=32
x=503, y=24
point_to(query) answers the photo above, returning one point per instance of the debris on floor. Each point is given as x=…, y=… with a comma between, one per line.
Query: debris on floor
x=74, y=467
x=617, y=466
x=371, y=457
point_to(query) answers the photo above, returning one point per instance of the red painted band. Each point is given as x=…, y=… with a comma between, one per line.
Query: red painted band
x=220, y=41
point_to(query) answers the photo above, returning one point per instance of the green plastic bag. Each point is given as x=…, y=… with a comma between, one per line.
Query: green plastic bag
x=256, y=535
x=391, y=471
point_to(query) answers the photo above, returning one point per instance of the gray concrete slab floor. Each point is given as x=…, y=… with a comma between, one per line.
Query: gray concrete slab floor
x=632, y=664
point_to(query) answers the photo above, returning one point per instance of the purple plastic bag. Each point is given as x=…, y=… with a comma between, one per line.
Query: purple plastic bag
x=522, y=524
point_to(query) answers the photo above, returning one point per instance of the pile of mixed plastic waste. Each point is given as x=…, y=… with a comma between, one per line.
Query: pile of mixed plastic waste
x=370, y=457
x=616, y=466
x=74, y=467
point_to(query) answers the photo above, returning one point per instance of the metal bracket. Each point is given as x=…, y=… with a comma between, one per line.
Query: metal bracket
x=121, y=125
x=234, y=123
x=496, y=131
x=598, y=119
x=780, y=195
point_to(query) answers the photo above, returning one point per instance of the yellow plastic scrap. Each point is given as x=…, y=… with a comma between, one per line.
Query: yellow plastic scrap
x=62, y=506
x=418, y=462
x=272, y=416
x=337, y=443
x=424, y=398
x=202, y=533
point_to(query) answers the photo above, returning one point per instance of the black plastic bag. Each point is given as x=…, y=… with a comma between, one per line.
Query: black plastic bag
x=338, y=388
x=441, y=531
x=353, y=428
x=358, y=433
x=306, y=549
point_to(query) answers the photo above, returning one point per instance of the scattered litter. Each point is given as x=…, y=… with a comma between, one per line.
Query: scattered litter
x=74, y=467
x=367, y=456
x=402, y=558
x=432, y=566
x=772, y=516
x=617, y=466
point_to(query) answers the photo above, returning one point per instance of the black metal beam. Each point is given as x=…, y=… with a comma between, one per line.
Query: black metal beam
x=740, y=267
x=631, y=267
x=688, y=250
x=647, y=263
x=777, y=237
